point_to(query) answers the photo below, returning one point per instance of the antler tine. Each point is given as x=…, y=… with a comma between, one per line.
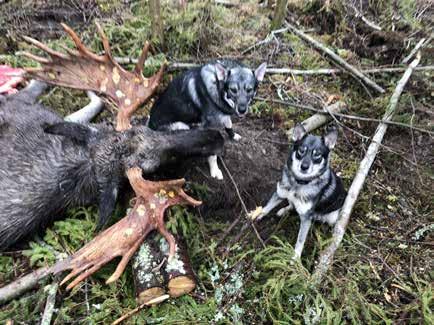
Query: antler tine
x=45, y=48
x=83, y=50
x=138, y=69
x=105, y=42
x=35, y=57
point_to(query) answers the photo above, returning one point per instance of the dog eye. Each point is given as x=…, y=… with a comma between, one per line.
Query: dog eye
x=233, y=89
x=249, y=90
x=302, y=150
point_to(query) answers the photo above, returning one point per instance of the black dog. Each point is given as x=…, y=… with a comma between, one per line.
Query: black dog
x=207, y=96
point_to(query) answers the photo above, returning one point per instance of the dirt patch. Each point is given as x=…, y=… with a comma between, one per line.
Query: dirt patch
x=255, y=163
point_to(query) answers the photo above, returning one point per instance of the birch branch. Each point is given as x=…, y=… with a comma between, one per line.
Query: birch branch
x=326, y=257
x=422, y=43
x=323, y=71
x=49, y=306
x=336, y=58
x=315, y=121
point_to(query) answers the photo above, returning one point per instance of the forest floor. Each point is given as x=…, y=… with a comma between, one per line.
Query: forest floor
x=383, y=271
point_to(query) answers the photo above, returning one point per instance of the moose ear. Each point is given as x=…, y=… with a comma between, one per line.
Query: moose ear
x=298, y=133
x=220, y=72
x=260, y=72
x=77, y=132
x=330, y=137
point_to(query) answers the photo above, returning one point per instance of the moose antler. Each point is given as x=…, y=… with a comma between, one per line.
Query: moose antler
x=125, y=237
x=85, y=70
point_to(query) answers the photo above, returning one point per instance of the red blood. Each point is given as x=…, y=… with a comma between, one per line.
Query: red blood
x=10, y=78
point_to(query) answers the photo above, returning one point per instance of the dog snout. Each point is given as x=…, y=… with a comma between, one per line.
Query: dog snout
x=304, y=166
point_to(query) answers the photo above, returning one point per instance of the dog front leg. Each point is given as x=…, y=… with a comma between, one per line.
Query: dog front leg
x=285, y=210
x=305, y=222
x=274, y=201
x=227, y=122
x=214, y=169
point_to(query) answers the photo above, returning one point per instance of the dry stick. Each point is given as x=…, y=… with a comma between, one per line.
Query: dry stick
x=326, y=256
x=315, y=121
x=18, y=287
x=242, y=202
x=343, y=115
x=324, y=71
x=422, y=43
x=136, y=310
x=336, y=58
x=49, y=306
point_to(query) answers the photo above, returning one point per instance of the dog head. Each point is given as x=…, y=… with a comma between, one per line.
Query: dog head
x=238, y=86
x=309, y=155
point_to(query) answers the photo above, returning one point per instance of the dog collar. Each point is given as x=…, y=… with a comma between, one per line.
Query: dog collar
x=301, y=182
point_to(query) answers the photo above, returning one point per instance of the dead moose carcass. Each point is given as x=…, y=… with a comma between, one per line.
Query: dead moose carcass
x=48, y=165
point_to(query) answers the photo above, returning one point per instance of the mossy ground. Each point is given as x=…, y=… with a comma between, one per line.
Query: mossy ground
x=383, y=270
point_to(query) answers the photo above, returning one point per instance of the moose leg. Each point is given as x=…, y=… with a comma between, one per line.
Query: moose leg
x=88, y=112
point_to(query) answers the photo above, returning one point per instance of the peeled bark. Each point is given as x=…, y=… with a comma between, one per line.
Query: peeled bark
x=148, y=276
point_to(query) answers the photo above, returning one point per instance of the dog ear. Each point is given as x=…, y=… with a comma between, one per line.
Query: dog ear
x=220, y=72
x=260, y=71
x=77, y=132
x=330, y=137
x=298, y=133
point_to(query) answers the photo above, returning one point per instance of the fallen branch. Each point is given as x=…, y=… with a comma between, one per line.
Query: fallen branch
x=315, y=121
x=422, y=43
x=336, y=58
x=136, y=310
x=348, y=116
x=49, y=306
x=326, y=257
x=27, y=282
x=297, y=72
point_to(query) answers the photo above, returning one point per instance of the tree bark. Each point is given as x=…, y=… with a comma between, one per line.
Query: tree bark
x=179, y=274
x=147, y=275
x=156, y=20
x=279, y=14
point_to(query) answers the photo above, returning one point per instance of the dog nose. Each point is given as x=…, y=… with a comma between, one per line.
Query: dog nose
x=304, y=166
x=242, y=109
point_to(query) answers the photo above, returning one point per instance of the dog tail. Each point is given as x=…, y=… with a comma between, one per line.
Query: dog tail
x=196, y=142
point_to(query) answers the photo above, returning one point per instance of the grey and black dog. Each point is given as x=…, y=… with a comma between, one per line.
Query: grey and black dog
x=48, y=165
x=207, y=97
x=308, y=183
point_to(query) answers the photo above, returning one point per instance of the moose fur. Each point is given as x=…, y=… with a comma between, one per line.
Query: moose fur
x=48, y=165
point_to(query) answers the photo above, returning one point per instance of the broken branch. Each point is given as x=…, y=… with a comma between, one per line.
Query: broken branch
x=326, y=257
x=336, y=58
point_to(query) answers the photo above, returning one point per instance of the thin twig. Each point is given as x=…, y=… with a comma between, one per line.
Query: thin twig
x=139, y=308
x=51, y=301
x=345, y=116
x=242, y=202
x=422, y=43
x=336, y=58
x=326, y=257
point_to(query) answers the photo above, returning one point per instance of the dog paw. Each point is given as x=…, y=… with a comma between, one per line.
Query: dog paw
x=217, y=173
x=256, y=214
x=237, y=137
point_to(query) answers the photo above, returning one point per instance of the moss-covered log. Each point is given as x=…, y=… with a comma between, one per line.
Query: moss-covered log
x=180, y=278
x=148, y=276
